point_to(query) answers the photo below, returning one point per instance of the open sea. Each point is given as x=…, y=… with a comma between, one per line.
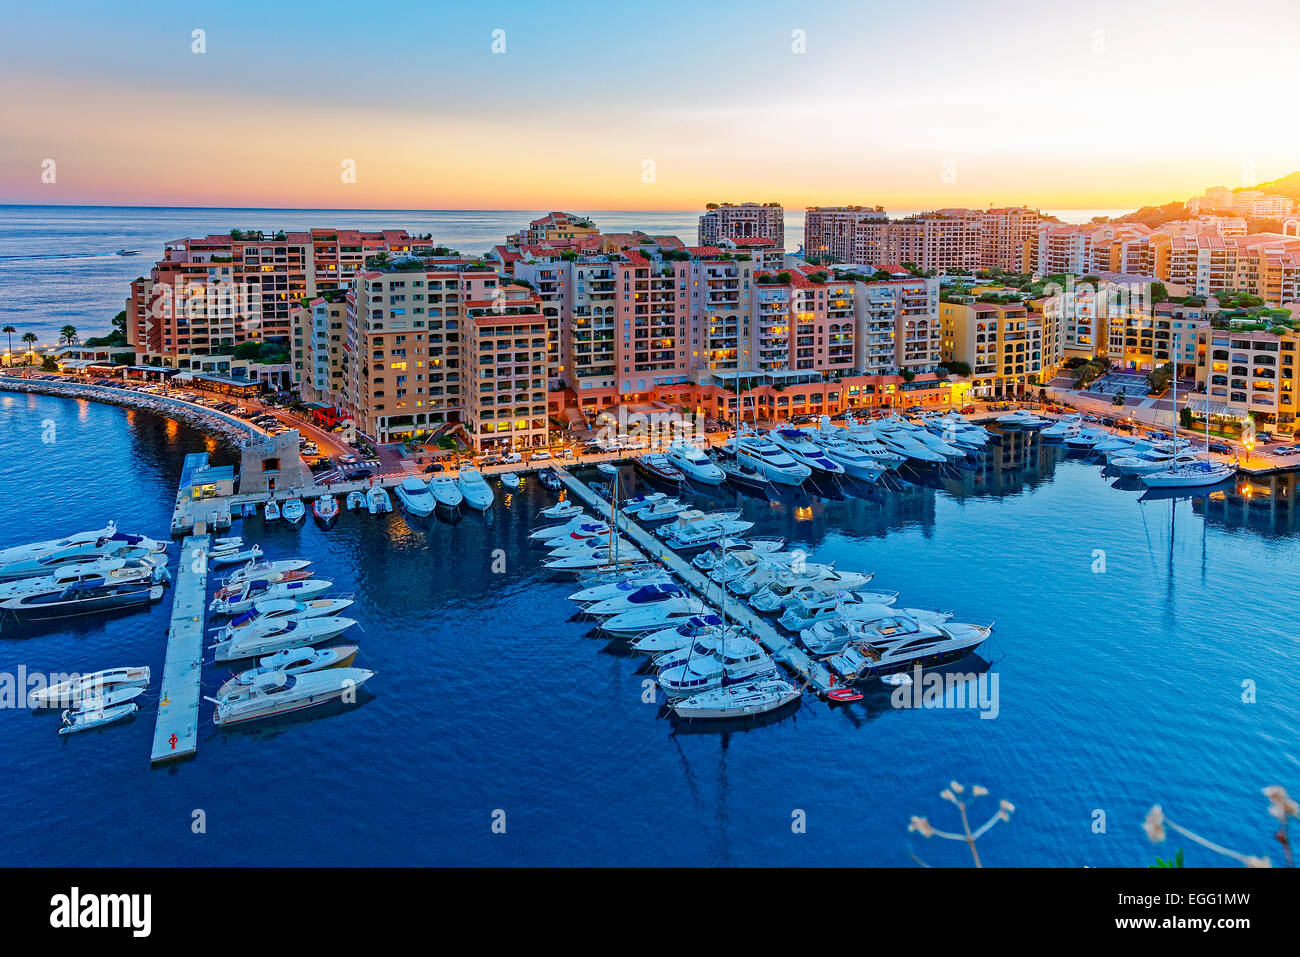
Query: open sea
x=1144, y=653
x=58, y=264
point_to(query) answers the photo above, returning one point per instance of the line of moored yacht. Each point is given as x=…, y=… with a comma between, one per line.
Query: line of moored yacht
x=708, y=663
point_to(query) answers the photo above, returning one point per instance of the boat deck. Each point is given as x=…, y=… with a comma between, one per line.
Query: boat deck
x=781, y=648
x=176, y=730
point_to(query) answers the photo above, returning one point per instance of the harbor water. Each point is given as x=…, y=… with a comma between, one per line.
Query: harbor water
x=1143, y=654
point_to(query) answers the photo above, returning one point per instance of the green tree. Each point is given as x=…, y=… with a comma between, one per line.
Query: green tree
x=69, y=335
x=9, y=331
x=49, y=365
x=30, y=339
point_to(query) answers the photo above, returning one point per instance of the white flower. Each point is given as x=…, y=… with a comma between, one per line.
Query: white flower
x=1281, y=805
x=956, y=787
x=978, y=790
x=1154, y=824
x=921, y=826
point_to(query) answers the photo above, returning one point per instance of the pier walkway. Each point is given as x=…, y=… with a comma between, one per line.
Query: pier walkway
x=175, y=734
x=738, y=610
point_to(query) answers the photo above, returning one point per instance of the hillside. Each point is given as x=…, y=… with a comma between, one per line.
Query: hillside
x=1288, y=186
x=1154, y=216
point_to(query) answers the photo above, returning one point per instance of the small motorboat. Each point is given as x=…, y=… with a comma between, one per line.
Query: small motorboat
x=325, y=508
x=271, y=511
x=79, y=687
x=899, y=679
x=288, y=569
x=233, y=553
x=510, y=480
x=562, y=509
x=378, y=502
x=294, y=510
x=74, y=721
x=250, y=509
x=355, y=500
x=659, y=468
x=127, y=252
x=843, y=694
x=609, y=468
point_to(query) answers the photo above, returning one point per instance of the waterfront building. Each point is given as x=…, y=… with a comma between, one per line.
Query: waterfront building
x=555, y=227
x=208, y=295
x=506, y=365
x=1002, y=343
x=1252, y=203
x=742, y=221
x=1248, y=374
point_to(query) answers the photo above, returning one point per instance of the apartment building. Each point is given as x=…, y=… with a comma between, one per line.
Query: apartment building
x=554, y=227
x=507, y=366
x=652, y=323
x=403, y=363
x=1253, y=203
x=1002, y=343
x=846, y=234
x=1142, y=340
x=1249, y=374
x=803, y=323
x=320, y=347
x=742, y=221
x=208, y=295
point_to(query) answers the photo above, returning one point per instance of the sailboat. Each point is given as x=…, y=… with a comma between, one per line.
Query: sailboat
x=754, y=695
x=1199, y=472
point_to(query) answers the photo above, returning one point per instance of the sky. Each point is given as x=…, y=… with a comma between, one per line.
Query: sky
x=659, y=106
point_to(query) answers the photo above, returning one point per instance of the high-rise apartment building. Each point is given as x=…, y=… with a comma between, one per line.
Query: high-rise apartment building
x=742, y=221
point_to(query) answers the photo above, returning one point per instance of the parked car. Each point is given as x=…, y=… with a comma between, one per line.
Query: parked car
x=357, y=475
x=1221, y=447
x=565, y=454
x=1264, y=436
x=541, y=456
x=511, y=458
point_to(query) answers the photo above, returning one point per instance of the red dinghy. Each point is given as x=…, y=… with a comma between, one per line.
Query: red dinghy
x=844, y=694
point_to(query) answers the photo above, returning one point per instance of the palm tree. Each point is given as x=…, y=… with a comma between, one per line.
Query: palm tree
x=9, y=331
x=69, y=335
x=30, y=339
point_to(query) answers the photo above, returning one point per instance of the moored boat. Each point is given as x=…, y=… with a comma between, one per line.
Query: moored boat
x=277, y=693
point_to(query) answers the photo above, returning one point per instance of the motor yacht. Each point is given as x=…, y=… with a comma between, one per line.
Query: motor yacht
x=105, y=571
x=562, y=509
x=1063, y=427
x=1022, y=419
x=931, y=646
x=624, y=586
x=73, y=689
x=281, y=609
x=294, y=510
x=240, y=598
x=277, y=693
x=679, y=636
x=34, y=550
x=474, y=489
x=81, y=598
x=596, y=559
x=661, y=511
x=706, y=672
x=660, y=468
x=271, y=511
x=803, y=450
x=354, y=500
x=768, y=460
x=278, y=634
x=287, y=569
x=691, y=532
x=85, y=554
x=446, y=492
x=416, y=498
x=581, y=525
x=654, y=616
x=855, y=462
x=292, y=662
x=510, y=481
x=640, y=598
x=694, y=463
x=631, y=506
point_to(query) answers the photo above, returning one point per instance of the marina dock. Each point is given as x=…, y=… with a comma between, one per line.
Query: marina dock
x=176, y=730
x=778, y=646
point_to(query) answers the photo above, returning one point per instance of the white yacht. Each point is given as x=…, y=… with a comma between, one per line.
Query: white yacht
x=355, y=500
x=1195, y=474
x=580, y=524
x=103, y=572
x=279, y=634
x=746, y=698
x=1152, y=460
x=853, y=459
x=931, y=646
x=277, y=693
x=706, y=672
x=901, y=442
x=294, y=510
x=803, y=450
x=640, y=598
x=773, y=463
x=475, y=489
x=416, y=497
x=239, y=598
x=694, y=463
x=661, y=511
x=20, y=553
x=446, y=492
x=266, y=570
x=1022, y=419
x=655, y=616
x=74, y=689
x=677, y=637
x=625, y=586
x=281, y=609
x=1063, y=427
x=562, y=509
x=292, y=662
x=596, y=559
x=700, y=530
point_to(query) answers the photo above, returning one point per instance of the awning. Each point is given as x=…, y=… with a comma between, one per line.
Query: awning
x=1201, y=403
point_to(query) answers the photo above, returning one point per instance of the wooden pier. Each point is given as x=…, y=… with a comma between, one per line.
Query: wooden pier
x=781, y=648
x=176, y=731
